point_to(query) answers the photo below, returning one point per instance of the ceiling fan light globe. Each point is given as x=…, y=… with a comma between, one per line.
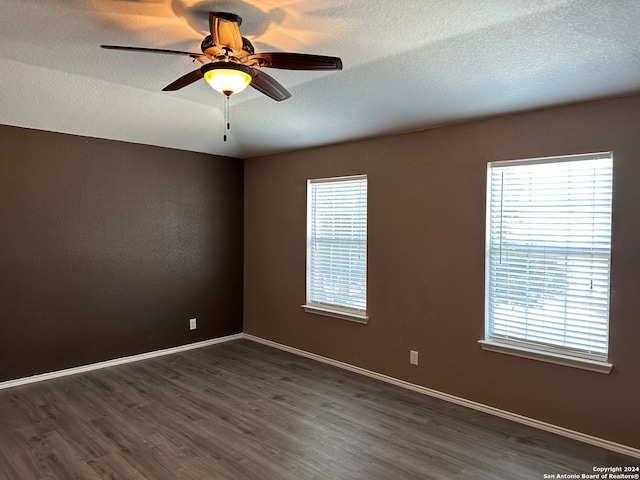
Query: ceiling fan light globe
x=226, y=80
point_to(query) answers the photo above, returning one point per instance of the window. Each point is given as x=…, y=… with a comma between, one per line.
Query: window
x=547, y=259
x=337, y=247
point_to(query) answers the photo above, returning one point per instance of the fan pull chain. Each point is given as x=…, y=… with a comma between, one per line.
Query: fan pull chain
x=227, y=124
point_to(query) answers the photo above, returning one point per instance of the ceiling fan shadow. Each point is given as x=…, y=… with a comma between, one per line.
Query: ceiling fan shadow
x=255, y=21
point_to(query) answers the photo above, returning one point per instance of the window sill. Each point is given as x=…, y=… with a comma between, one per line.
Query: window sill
x=566, y=360
x=352, y=317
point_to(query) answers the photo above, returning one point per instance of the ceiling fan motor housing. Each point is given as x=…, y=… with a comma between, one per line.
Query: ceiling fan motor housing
x=208, y=43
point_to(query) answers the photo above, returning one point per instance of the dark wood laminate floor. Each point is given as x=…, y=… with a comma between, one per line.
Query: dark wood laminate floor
x=241, y=410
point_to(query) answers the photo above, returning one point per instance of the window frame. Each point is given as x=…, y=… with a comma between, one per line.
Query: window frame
x=523, y=347
x=328, y=309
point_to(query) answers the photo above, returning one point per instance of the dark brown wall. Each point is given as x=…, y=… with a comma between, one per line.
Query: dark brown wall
x=108, y=248
x=426, y=262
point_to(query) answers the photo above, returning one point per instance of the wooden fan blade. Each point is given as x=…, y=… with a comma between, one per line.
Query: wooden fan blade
x=183, y=81
x=269, y=86
x=152, y=50
x=225, y=30
x=297, y=61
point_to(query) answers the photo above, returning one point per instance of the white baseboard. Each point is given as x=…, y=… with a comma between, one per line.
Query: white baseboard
x=565, y=432
x=118, y=361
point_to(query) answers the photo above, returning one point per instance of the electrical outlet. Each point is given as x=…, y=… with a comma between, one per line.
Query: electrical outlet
x=192, y=324
x=413, y=357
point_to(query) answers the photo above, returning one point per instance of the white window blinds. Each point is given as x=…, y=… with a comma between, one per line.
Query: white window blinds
x=337, y=244
x=548, y=251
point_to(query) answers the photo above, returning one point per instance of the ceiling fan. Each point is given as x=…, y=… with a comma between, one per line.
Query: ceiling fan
x=230, y=64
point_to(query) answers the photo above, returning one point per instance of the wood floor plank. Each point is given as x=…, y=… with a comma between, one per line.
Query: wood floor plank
x=18, y=455
x=113, y=466
x=60, y=459
x=244, y=411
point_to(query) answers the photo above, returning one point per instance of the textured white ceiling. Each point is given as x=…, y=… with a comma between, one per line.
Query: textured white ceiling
x=408, y=64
